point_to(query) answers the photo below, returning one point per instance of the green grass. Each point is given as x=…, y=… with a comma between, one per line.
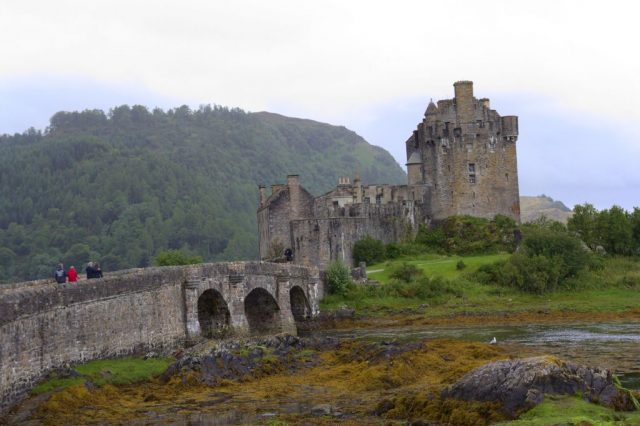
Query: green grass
x=111, y=371
x=573, y=410
x=434, y=265
x=615, y=288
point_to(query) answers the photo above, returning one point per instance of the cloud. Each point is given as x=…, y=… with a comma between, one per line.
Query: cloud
x=566, y=67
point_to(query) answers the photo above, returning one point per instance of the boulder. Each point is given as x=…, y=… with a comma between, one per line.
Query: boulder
x=522, y=383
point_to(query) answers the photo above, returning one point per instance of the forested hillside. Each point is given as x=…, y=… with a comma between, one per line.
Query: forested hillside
x=121, y=187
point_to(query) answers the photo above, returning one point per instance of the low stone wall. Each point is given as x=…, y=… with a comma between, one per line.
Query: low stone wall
x=44, y=325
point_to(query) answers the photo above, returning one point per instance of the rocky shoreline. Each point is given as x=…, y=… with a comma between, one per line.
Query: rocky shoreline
x=327, y=381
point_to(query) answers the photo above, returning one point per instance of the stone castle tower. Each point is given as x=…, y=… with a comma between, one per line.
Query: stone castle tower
x=461, y=160
x=465, y=153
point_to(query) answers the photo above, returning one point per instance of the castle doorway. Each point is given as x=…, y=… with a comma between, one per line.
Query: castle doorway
x=300, y=307
x=213, y=315
x=262, y=312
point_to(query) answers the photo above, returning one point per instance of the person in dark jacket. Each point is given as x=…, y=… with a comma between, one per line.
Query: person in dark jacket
x=60, y=275
x=93, y=270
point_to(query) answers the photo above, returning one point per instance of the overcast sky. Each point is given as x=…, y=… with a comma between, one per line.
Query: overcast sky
x=569, y=69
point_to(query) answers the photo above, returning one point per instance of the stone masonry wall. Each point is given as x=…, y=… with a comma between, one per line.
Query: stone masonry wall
x=320, y=241
x=44, y=325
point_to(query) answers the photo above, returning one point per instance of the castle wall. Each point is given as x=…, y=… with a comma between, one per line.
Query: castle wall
x=44, y=325
x=286, y=203
x=319, y=241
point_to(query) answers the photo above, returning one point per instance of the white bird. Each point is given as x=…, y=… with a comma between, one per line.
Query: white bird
x=493, y=341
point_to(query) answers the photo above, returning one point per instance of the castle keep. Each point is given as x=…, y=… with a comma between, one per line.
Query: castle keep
x=461, y=160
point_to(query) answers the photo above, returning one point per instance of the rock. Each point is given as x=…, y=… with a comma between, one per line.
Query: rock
x=344, y=313
x=521, y=384
x=321, y=410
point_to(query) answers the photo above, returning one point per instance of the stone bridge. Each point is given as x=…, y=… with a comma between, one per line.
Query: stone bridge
x=44, y=325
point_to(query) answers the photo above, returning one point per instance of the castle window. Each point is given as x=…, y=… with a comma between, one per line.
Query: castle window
x=457, y=132
x=472, y=178
x=472, y=167
x=506, y=176
x=367, y=200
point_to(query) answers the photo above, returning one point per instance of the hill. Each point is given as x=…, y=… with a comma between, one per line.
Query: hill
x=123, y=186
x=532, y=208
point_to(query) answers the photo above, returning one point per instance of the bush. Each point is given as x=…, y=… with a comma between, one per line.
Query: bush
x=406, y=272
x=337, y=278
x=176, y=257
x=368, y=250
x=393, y=251
x=460, y=265
x=468, y=235
x=548, y=259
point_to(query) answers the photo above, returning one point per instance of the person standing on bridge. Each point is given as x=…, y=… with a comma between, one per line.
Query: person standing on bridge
x=60, y=275
x=72, y=274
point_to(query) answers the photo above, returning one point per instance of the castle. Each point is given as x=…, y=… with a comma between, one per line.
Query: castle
x=461, y=160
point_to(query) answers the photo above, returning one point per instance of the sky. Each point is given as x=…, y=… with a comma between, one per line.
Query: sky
x=569, y=69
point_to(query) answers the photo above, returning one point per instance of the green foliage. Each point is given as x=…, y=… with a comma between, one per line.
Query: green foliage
x=547, y=260
x=337, y=278
x=176, y=257
x=460, y=265
x=468, y=235
x=368, y=250
x=614, y=229
x=406, y=272
x=122, y=187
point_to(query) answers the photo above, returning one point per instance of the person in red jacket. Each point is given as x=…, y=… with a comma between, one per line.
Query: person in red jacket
x=72, y=274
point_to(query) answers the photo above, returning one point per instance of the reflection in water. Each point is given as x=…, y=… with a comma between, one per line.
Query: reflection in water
x=612, y=345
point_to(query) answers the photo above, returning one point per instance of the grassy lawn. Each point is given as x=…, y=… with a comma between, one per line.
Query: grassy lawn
x=614, y=289
x=112, y=371
x=433, y=265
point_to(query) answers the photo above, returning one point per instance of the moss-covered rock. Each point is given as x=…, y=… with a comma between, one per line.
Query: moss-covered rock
x=521, y=384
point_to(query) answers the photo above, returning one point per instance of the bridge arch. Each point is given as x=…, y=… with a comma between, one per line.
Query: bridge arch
x=213, y=314
x=300, y=307
x=262, y=312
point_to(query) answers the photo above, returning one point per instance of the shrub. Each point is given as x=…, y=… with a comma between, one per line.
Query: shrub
x=460, y=265
x=468, y=234
x=392, y=251
x=548, y=259
x=406, y=272
x=368, y=250
x=176, y=257
x=337, y=278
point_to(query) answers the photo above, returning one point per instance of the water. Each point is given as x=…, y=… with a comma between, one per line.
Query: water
x=615, y=346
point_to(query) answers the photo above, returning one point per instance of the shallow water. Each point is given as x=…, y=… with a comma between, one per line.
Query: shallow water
x=611, y=345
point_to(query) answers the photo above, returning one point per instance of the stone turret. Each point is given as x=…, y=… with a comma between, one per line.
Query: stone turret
x=465, y=153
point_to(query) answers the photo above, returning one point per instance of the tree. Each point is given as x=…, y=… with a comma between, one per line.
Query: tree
x=583, y=224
